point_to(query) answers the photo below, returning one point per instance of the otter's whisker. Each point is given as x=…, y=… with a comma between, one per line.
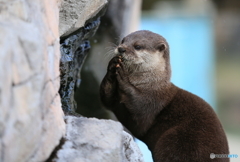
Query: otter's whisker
x=108, y=55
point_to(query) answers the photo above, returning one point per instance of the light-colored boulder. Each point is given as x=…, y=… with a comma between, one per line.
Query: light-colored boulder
x=90, y=139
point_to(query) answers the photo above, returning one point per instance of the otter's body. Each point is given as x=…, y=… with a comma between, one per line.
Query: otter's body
x=177, y=126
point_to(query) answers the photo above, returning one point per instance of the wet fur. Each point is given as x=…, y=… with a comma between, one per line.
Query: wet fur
x=176, y=125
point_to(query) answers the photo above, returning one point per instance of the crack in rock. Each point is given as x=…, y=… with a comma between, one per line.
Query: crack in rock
x=57, y=148
x=24, y=81
x=74, y=49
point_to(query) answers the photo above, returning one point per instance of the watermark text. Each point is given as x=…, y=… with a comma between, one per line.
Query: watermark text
x=213, y=156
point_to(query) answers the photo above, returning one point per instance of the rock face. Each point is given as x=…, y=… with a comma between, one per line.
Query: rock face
x=77, y=26
x=31, y=119
x=93, y=140
x=74, y=49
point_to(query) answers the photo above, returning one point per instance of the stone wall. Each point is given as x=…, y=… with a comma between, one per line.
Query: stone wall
x=32, y=123
x=31, y=119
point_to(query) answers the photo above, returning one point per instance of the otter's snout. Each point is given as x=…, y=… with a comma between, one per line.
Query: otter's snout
x=121, y=50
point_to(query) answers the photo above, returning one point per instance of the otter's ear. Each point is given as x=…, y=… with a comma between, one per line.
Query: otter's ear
x=161, y=47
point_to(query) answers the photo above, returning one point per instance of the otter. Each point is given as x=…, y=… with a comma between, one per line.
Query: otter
x=176, y=125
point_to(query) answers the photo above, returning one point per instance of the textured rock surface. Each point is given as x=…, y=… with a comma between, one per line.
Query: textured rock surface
x=93, y=140
x=131, y=152
x=31, y=119
x=79, y=20
x=75, y=13
x=74, y=49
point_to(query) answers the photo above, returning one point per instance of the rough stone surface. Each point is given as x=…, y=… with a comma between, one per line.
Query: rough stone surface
x=131, y=152
x=75, y=13
x=79, y=20
x=31, y=119
x=74, y=49
x=90, y=139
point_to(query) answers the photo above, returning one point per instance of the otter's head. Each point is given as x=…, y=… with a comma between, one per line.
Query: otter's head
x=146, y=50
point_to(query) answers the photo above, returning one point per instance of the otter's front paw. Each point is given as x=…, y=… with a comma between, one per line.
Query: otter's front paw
x=124, y=84
x=121, y=74
x=111, y=70
x=114, y=64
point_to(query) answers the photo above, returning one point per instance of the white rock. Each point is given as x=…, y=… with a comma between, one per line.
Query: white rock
x=93, y=140
x=131, y=150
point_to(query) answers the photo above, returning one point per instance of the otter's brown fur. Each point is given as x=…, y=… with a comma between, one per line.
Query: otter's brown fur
x=176, y=125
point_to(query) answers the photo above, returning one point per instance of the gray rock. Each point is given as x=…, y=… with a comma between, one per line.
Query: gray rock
x=75, y=13
x=31, y=119
x=93, y=140
x=131, y=150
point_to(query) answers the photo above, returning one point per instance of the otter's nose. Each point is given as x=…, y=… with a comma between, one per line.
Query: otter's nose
x=121, y=50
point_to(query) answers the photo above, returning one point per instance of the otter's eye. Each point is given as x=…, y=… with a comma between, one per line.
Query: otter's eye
x=137, y=47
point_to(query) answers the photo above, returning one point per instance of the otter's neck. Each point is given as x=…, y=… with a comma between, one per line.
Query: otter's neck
x=149, y=80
